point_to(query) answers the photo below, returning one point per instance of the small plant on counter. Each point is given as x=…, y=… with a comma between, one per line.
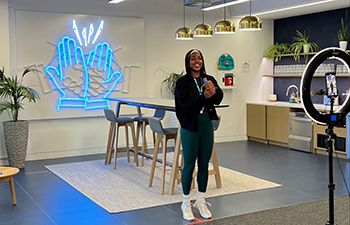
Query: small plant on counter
x=276, y=51
x=343, y=35
x=302, y=44
x=343, y=32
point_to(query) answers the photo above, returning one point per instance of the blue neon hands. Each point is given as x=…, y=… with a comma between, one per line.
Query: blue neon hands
x=104, y=76
x=83, y=81
x=70, y=76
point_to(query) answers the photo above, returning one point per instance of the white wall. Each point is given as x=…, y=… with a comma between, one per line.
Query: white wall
x=4, y=57
x=66, y=137
x=162, y=50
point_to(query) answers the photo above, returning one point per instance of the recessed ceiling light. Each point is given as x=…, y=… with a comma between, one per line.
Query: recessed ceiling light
x=115, y=1
x=224, y=4
x=292, y=7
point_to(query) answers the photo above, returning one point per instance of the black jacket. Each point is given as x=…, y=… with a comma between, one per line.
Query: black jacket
x=188, y=101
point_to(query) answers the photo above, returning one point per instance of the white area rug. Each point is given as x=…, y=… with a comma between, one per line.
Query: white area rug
x=126, y=188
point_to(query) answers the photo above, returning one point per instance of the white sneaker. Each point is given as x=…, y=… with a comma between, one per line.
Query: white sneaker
x=201, y=205
x=187, y=213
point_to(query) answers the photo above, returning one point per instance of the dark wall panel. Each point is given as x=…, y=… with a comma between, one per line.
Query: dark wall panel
x=322, y=28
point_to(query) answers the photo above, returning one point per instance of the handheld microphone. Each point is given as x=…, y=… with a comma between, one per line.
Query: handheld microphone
x=204, y=80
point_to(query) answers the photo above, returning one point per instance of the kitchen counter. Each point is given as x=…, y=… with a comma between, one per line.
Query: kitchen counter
x=290, y=105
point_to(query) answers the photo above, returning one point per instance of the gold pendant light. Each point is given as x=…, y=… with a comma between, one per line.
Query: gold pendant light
x=203, y=29
x=250, y=23
x=225, y=26
x=184, y=33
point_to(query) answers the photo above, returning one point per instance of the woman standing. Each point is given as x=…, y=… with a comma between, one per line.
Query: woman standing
x=195, y=96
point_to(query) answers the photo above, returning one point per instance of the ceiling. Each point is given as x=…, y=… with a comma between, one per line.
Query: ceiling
x=141, y=8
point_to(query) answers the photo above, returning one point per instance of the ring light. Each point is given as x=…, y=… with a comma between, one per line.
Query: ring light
x=305, y=85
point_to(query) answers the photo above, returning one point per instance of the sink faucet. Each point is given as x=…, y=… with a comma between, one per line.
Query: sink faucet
x=294, y=97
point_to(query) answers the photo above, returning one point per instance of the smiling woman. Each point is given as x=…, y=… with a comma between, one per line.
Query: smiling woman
x=195, y=96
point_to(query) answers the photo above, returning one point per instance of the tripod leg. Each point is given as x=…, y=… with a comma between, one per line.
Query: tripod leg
x=331, y=185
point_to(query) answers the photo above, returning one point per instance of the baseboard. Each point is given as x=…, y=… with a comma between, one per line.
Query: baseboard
x=68, y=153
x=230, y=138
x=100, y=150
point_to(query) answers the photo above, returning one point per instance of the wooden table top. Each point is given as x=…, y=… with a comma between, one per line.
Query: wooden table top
x=8, y=171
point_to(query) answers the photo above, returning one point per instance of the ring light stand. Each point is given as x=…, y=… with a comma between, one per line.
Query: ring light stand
x=330, y=118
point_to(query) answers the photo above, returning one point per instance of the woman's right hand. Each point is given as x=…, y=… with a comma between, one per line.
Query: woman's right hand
x=208, y=93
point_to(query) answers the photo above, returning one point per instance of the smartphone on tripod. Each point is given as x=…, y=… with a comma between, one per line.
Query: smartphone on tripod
x=331, y=85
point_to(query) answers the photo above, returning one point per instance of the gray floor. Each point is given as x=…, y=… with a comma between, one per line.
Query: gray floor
x=45, y=199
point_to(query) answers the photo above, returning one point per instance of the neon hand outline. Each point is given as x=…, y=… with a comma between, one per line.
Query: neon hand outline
x=69, y=56
x=101, y=72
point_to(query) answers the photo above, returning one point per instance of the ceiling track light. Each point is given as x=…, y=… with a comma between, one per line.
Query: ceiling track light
x=184, y=33
x=115, y=1
x=250, y=23
x=203, y=29
x=217, y=5
x=225, y=26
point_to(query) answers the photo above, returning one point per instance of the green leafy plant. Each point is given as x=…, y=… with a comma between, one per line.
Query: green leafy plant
x=14, y=93
x=276, y=51
x=170, y=81
x=343, y=32
x=297, y=46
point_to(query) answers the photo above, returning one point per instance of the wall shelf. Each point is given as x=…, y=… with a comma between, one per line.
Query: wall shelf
x=300, y=75
x=227, y=88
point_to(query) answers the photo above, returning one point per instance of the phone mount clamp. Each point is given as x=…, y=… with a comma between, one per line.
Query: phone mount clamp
x=331, y=118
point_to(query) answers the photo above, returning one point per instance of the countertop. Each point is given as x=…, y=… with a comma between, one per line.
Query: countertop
x=290, y=105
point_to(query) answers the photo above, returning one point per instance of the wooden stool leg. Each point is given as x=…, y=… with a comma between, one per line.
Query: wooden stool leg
x=143, y=141
x=154, y=161
x=216, y=167
x=138, y=128
x=127, y=142
x=136, y=151
x=110, y=141
x=112, y=149
x=13, y=192
x=154, y=138
x=178, y=169
x=165, y=141
x=175, y=163
x=116, y=145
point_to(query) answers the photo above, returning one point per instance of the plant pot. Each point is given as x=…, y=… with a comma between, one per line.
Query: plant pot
x=306, y=48
x=343, y=45
x=16, y=141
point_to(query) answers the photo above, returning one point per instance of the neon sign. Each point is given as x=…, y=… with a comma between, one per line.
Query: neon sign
x=84, y=79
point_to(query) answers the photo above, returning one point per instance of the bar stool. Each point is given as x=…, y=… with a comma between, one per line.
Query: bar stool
x=162, y=135
x=113, y=135
x=141, y=123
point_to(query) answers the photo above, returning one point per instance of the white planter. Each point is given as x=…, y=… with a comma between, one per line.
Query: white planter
x=343, y=45
x=306, y=48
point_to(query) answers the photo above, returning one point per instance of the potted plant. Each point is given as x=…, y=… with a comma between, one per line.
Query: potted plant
x=14, y=93
x=276, y=51
x=302, y=43
x=169, y=83
x=343, y=35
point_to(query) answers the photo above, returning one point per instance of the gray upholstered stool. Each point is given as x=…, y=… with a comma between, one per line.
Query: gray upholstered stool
x=113, y=135
x=141, y=123
x=162, y=135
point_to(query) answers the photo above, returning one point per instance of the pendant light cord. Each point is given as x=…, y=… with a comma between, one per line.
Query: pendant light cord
x=184, y=12
x=202, y=12
x=250, y=8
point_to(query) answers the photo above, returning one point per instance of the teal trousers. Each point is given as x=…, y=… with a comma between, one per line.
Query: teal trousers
x=197, y=146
